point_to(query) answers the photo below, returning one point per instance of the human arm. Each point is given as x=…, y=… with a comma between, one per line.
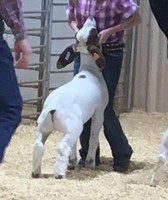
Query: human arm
x=73, y=25
x=128, y=23
x=71, y=17
x=11, y=12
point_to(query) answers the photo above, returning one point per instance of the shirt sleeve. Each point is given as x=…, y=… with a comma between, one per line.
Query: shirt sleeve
x=11, y=12
x=127, y=8
x=70, y=12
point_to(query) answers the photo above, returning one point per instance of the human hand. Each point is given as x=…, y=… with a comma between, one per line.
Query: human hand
x=104, y=35
x=23, y=52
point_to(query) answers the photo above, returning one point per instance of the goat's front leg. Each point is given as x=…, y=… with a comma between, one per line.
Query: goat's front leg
x=160, y=167
x=64, y=149
x=97, y=121
x=38, y=152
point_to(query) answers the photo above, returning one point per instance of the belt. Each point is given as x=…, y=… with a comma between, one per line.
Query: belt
x=112, y=47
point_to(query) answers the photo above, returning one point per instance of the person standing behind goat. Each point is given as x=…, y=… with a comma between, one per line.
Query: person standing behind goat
x=10, y=98
x=113, y=17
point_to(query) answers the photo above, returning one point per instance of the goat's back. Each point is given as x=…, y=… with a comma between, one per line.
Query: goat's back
x=80, y=97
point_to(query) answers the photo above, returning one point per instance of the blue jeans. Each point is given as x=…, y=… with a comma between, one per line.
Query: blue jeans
x=10, y=98
x=160, y=11
x=114, y=134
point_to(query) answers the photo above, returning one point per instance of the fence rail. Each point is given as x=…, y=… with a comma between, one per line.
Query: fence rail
x=44, y=52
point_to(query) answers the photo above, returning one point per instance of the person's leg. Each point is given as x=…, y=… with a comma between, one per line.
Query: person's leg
x=84, y=141
x=10, y=98
x=160, y=11
x=85, y=135
x=114, y=134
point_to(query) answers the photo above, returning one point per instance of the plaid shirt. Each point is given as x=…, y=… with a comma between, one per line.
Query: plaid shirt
x=107, y=14
x=11, y=12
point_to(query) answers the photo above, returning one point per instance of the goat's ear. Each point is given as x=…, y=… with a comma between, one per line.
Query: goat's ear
x=97, y=56
x=66, y=57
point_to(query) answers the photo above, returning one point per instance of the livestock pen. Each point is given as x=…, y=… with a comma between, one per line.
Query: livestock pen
x=144, y=130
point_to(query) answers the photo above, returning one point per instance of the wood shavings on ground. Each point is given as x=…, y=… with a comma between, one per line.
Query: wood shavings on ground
x=144, y=131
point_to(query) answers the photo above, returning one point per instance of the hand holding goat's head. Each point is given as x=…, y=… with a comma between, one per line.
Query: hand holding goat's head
x=87, y=42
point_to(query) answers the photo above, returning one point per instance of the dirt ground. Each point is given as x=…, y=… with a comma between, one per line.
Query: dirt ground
x=144, y=132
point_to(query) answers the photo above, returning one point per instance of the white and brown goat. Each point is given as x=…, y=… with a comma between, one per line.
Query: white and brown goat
x=67, y=108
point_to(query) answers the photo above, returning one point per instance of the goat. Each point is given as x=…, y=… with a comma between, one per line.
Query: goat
x=161, y=164
x=67, y=108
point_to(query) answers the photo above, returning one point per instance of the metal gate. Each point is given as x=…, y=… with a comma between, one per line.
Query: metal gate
x=34, y=80
x=49, y=36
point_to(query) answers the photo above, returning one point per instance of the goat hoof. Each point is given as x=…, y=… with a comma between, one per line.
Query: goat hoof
x=90, y=164
x=59, y=177
x=72, y=164
x=71, y=167
x=34, y=175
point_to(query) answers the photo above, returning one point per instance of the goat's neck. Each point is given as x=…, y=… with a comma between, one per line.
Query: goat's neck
x=88, y=63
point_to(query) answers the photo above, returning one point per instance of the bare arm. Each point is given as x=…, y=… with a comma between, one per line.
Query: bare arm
x=128, y=23
x=73, y=25
x=133, y=20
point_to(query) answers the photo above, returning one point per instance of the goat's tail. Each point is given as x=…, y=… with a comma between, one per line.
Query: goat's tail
x=52, y=115
x=46, y=120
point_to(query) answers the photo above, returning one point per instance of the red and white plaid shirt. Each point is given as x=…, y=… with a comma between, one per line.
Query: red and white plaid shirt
x=11, y=12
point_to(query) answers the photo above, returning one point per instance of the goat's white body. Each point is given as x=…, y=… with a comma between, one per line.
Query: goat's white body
x=82, y=97
x=74, y=103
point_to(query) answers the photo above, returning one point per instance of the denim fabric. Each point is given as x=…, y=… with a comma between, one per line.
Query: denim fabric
x=114, y=134
x=10, y=98
x=160, y=11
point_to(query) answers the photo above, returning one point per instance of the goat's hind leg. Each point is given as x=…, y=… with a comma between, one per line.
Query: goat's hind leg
x=64, y=149
x=38, y=152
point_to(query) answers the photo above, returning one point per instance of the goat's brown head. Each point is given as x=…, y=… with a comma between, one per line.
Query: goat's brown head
x=87, y=42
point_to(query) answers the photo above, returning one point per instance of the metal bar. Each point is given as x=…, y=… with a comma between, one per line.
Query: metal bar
x=34, y=12
x=46, y=5
x=131, y=72
x=62, y=38
x=34, y=34
x=48, y=54
x=28, y=86
x=30, y=103
x=61, y=72
x=59, y=4
x=31, y=82
x=39, y=63
x=28, y=30
x=59, y=21
x=32, y=68
x=40, y=46
x=32, y=17
x=30, y=100
x=31, y=116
